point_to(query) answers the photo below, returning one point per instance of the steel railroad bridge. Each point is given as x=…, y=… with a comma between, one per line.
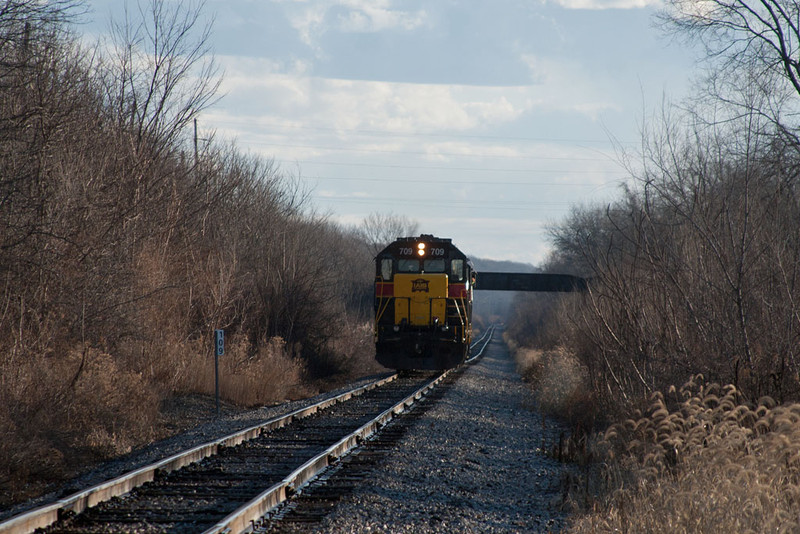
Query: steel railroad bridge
x=545, y=282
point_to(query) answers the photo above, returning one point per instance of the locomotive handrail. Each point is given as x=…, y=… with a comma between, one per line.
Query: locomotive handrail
x=383, y=309
x=383, y=305
x=461, y=317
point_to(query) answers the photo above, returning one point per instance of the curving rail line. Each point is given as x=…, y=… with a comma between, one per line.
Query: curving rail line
x=240, y=519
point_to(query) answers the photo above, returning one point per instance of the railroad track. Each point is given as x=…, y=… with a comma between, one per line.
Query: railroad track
x=229, y=484
x=306, y=511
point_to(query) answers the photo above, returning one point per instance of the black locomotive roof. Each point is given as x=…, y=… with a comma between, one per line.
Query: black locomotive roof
x=429, y=239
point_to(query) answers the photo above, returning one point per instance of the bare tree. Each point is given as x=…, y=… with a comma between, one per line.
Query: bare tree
x=380, y=229
x=23, y=22
x=162, y=73
x=750, y=44
x=764, y=32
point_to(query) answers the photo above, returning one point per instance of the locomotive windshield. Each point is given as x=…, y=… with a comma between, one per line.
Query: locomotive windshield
x=428, y=266
x=433, y=266
x=407, y=266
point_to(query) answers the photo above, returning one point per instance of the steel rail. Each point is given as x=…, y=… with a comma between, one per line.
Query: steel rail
x=46, y=515
x=243, y=519
x=488, y=334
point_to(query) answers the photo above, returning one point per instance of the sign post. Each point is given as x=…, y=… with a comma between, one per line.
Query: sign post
x=219, y=350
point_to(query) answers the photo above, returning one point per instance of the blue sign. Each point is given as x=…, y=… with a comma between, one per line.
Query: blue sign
x=219, y=341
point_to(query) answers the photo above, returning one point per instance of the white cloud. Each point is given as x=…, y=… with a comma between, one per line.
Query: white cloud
x=607, y=4
x=377, y=15
x=567, y=85
x=309, y=22
x=311, y=19
x=269, y=88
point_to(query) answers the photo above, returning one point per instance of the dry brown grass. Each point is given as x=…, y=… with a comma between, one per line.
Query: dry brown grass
x=355, y=347
x=699, y=459
x=248, y=376
x=271, y=372
x=62, y=410
x=559, y=381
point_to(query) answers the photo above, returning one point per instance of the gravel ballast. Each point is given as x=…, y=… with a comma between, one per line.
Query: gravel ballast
x=471, y=463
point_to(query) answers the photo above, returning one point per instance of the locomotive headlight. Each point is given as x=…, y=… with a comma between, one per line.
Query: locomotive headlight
x=421, y=249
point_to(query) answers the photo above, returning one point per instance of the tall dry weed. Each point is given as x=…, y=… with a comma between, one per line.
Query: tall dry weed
x=354, y=347
x=248, y=376
x=699, y=459
x=559, y=382
x=57, y=411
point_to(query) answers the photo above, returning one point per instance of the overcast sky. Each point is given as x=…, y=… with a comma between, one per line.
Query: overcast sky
x=483, y=120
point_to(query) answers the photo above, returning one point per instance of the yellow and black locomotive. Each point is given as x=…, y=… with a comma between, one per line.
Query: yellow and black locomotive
x=423, y=304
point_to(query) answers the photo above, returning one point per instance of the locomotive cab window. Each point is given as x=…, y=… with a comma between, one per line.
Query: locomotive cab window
x=457, y=270
x=386, y=268
x=433, y=266
x=408, y=266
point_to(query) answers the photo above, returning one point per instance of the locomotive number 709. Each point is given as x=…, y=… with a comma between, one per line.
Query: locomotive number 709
x=407, y=251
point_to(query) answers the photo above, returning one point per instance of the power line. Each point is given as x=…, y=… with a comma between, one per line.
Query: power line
x=458, y=204
x=460, y=182
x=422, y=153
x=440, y=167
x=387, y=133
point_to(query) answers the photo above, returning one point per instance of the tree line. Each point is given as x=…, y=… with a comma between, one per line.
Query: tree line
x=695, y=268
x=123, y=245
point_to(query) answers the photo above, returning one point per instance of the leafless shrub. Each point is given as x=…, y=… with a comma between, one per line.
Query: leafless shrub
x=273, y=374
x=693, y=270
x=355, y=346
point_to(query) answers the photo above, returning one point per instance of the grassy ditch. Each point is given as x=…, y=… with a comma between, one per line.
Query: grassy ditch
x=699, y=458
x=559, y=381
